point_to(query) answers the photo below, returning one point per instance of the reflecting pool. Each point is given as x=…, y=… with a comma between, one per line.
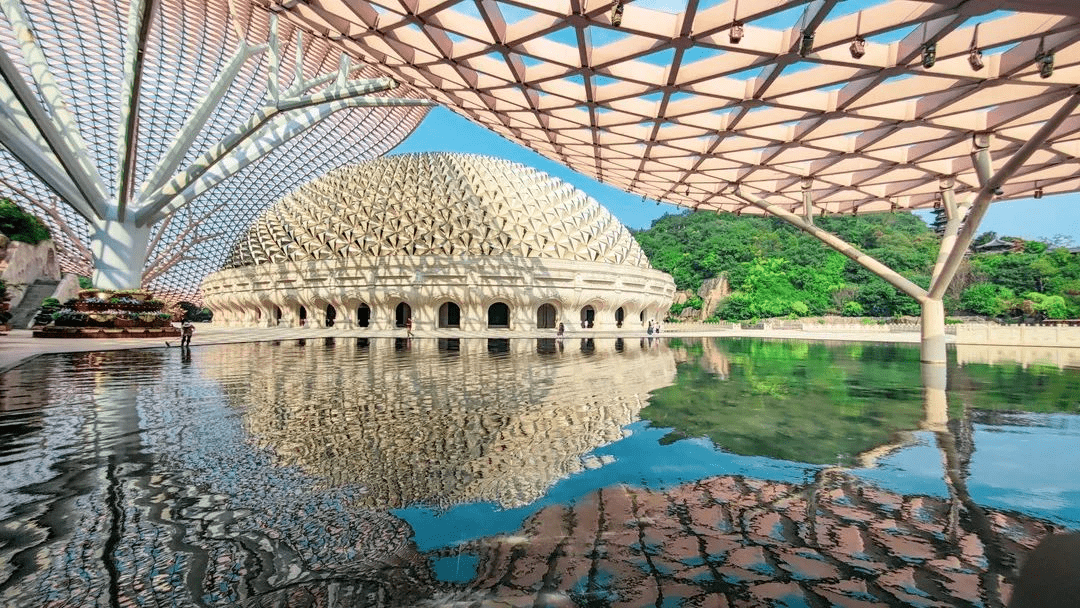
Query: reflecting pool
x=387, y=472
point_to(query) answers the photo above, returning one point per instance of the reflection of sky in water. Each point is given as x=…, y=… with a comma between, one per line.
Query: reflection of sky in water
x=1030, y=469
x=1035, y=469
x=640, y=460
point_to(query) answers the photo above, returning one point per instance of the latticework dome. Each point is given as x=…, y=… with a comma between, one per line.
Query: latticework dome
x=436, y=204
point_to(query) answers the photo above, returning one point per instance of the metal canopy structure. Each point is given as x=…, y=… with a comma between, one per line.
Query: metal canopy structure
x=149, y=133
x=793, y=108
x=681, y=108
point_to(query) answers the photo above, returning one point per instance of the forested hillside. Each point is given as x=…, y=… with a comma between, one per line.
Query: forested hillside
x=775, y=270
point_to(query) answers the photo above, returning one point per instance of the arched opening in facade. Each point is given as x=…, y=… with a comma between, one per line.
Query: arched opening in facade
x=363, y=315
x=588, y=317
x=498, y=315
x=545, y=317
x=620, y=314
x=277, y=315
x=449, y=315
x=303, y=316
x=641, y=317
x=402, y=313
x=331, y=314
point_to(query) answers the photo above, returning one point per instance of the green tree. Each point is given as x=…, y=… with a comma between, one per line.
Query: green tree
x=19, y=225
x=987, y=299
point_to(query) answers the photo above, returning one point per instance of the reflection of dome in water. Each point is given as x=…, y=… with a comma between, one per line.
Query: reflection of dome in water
x=431, y=230
x=437, y=204
x=430, y=428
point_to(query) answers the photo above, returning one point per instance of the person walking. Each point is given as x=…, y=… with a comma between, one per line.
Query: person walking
x=408, y=326
x=187, y=329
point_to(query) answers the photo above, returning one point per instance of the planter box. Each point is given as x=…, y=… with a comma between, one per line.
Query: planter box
x=92, y=306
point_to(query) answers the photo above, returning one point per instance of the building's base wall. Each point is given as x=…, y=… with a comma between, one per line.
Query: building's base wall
x=299, y=293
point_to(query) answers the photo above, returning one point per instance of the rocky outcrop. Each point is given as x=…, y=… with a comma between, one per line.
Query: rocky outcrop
x=712, y=291
x=22, y=263
x=33, y=269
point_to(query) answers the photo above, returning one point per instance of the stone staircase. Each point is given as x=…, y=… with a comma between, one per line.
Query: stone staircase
x=23, y=314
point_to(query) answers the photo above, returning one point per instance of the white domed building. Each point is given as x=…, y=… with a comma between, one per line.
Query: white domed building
x=455, y=241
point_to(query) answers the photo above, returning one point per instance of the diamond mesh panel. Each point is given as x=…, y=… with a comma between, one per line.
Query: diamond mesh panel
x=188, y=44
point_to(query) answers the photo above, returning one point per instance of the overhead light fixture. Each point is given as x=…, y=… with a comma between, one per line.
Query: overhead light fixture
x=736, y=32
x=1046, y=64
x=858, y=47
x=929, y=54
x=1038, y=192
x=974, y=54
x=975, y=59
x=1044, y=59
x=687, y=193
x=616, y=13
x=806, y=45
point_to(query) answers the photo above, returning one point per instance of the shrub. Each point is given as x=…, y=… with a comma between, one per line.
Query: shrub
x=852, y=309
x=49, y=307
x=19, y=225
x=1052, y=307
x=986, y=299
x=693, y=302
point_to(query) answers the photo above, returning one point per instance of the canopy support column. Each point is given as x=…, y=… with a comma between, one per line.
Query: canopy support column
x=932, y=329
x=987, y=190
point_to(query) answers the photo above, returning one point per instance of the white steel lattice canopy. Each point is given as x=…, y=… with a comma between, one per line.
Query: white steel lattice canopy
x=839, y=106
x=182, y=119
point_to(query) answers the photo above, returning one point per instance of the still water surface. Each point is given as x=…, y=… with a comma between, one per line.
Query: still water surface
x=346, y=472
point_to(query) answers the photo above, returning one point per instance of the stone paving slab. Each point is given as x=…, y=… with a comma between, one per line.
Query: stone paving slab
x=19, y=345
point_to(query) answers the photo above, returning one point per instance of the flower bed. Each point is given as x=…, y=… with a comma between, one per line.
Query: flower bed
x=110, y=314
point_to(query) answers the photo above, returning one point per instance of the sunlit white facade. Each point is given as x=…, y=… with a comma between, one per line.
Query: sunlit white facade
x=443, y=241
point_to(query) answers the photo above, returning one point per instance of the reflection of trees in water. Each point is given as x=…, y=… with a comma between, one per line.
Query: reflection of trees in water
x=799, y=401
x=739, y=541
x=442, y=427
x=827, y=403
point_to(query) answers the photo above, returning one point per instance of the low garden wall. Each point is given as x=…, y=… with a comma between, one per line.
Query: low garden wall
x=1018, y=335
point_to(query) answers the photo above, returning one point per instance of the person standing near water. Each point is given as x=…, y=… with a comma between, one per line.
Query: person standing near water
x=187, y=329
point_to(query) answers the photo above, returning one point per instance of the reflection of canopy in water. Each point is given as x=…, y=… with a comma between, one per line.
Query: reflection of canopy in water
x=425, y=427
x=740, y=541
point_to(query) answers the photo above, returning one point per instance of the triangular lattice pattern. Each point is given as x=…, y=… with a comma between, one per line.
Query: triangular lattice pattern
x=868, y=106
x=436, y=204
x=188, y=47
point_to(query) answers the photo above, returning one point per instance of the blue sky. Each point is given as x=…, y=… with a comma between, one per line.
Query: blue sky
x=445, y=131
